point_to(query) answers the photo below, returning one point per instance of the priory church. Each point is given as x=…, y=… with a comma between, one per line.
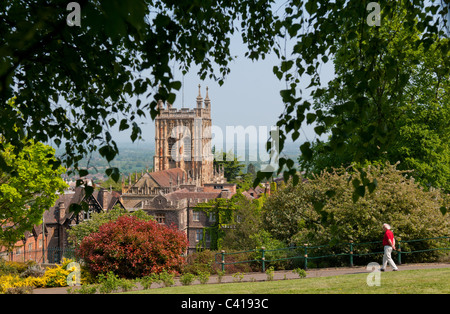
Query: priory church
x=183, y=173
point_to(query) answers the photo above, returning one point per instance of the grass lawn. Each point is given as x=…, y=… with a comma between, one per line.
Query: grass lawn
x=407, y=281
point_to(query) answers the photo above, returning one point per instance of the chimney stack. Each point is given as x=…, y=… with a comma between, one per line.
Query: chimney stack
x=102, y=199
x=62, y=211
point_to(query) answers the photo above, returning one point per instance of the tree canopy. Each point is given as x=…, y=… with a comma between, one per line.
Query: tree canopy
x=411, y=119
x=73, y=83
x=322, y=30
x=291, y=214
x=27, y=190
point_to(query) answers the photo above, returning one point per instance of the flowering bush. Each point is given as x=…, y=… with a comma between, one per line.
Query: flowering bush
x=53, y=277
x=10, y=281
x=131, y=248
x=56, y=277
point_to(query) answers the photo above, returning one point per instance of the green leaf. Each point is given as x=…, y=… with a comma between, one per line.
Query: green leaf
x=361, y=190
x=75, y=208
x=443, y=210
x=372, y=185
x=355, y=197
x=311, y=6
x=356, y=183
x=114, y=173
x=83, y=172
x=330, y=193
x=123, y=125
x=176, y=85
x=319, y=130
x=310, y=118
x=318, y=206
x=290, y=163
x=306, y=150
x=286, y=65
x=107, y=152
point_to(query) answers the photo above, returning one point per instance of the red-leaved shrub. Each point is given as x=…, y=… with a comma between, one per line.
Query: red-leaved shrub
x=133, y=248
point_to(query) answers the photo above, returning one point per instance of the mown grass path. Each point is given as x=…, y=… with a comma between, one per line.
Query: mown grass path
x=429, y=281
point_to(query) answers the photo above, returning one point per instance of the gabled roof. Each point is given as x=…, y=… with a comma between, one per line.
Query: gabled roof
x=166, y=178
x=111, y=198
x=163, y=178
x=51, y=215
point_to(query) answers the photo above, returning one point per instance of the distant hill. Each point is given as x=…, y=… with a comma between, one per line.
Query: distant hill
x=135, y=157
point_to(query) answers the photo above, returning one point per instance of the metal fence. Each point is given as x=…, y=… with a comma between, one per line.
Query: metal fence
x=52, y=255
x=348, y=251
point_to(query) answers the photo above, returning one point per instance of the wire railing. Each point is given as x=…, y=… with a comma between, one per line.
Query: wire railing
x=306, y=252
x=51, y=255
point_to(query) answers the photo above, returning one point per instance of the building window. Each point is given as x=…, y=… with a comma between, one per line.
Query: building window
x=199, y=235
x=212, y=217
x=87, y=215
x=218, y=187
x=30, y=247
x=196, y=216
x=160, y=218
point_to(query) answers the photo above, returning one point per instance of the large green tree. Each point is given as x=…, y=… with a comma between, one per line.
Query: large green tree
x=29, y=188
x=73, y=83
x=378, y=68
x=293, y=216
x=409, y=125
x=232, y=167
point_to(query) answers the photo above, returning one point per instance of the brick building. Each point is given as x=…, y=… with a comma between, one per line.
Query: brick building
x=184, y=173
x=48, y=242
x=184, y=176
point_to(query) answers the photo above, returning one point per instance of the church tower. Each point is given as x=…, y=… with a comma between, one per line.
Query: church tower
x=183, y=140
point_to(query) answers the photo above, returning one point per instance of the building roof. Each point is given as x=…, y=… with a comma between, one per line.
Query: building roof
x=167, y=178
x=186, y=194
x=106, y=199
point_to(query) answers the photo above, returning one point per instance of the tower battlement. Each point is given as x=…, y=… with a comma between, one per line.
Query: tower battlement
x=183, y=139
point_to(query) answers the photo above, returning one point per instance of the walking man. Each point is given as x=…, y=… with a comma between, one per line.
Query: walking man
x=389, y=245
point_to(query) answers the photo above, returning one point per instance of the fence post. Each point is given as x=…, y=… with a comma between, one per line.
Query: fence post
x=263, y=258
x=223, y=260
x=399, y=249
x=306, y=256
x=351, y=253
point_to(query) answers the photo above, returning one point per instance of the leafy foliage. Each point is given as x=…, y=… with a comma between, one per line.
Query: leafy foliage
x=131, y=247
x=405, y=115
x=378, y=67
x=236, y=219
x=232, y=167
x=293, y=216
x=74, y=83
x=28, y=189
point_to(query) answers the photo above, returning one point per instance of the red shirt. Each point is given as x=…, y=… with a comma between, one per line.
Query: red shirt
x=388, y=236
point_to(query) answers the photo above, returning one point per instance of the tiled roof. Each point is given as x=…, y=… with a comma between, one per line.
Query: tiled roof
x=186, y=194
x=51, y=215
x=166, y=178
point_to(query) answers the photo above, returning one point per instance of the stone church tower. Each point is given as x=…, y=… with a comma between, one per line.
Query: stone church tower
x=183, y=140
